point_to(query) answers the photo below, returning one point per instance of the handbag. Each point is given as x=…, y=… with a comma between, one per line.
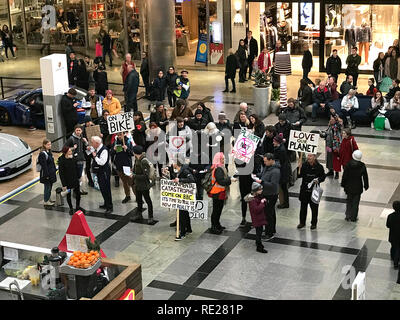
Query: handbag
x=316, y=193
x=379, y=123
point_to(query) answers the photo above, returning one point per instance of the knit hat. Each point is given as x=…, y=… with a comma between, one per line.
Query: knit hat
x=279, y=138
x=222, y=116
x=255, y=187
x=137, y=149
x=357, y=155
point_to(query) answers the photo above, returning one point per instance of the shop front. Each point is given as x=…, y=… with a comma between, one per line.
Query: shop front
x=324, y=26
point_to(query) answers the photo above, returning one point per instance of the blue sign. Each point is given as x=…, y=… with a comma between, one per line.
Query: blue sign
x=201, y=53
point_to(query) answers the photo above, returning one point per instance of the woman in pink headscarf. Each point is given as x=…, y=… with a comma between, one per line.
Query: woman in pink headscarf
x=220, y=182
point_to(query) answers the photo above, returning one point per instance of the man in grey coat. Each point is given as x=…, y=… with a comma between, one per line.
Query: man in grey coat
x=269, y=179
x=131, y=86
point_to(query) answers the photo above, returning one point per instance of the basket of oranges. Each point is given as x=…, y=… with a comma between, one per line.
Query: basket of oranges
x=82, y=263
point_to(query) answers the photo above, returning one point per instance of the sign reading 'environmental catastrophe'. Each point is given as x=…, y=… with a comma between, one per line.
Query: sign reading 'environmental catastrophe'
x=120, y=122
x=180, y=196
x=245, y=146
x=303, y=141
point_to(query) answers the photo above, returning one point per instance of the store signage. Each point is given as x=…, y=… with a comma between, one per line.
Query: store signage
x=245, y=146
x=54, y=74
x=180, y=196
x=201, y=210
x=303, y=141
x=217, y=53
x=120, y=122
x=201, y=53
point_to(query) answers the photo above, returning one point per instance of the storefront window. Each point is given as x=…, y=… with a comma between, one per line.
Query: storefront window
x=16, y=20
x=3, y=13
x=371, y=28
x=134, y=29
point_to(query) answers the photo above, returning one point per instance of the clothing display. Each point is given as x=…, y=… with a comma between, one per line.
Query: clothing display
x=363, y=37
x=350, y=38
x=284, y=34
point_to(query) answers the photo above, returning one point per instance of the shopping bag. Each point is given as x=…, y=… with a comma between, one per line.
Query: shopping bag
x=379, y=123
x=95, y=181
x=385, y=84
x=316, y=194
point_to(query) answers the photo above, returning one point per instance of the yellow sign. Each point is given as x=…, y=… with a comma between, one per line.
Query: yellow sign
x=203, y=48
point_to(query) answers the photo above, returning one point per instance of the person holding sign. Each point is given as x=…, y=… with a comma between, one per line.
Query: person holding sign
x=312, y=173
x=111, y=104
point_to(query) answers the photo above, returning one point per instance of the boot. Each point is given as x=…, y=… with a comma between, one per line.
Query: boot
x=261, y=249
x=336, y=175
x=116, y=181
x=330, y=173
x=214, y=230
x=226, y=90
x=127, y=199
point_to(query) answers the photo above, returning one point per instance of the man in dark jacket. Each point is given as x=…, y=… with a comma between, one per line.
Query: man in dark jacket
x=141, y=178
x=304, y=94
x=170, y=78
x=198, y=122
x=283, y=126
x=131, y=86
x=252, y=51
x=180, y=173
x=355, y=173
x=145, y=73
x=393, y=223
x=334, y=65
x=72, y=69
x=353, y=61
x=347, y=85
x=159, y=87
x=230, y=71
x=269, y=179
x=280, y=155
x=68, y=110
x=312, y=173
x=295, y=115
x=322, y=98
x=307, y=64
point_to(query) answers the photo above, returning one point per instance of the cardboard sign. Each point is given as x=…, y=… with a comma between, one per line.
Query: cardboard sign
x=92, y=131
x=177, y=144
x=303, y=141
x=180, y=196
x=120, y=122
x=245, y=145
x=201, y=210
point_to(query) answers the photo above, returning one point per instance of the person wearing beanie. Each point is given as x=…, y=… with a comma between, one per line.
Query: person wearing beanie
x=355, y=177
x=393, y=223
x=207, y=116
x=197, y=123
x=141, y=178
x=281, y=156
x=223, y=122
x=256, y=205
x=68, y=111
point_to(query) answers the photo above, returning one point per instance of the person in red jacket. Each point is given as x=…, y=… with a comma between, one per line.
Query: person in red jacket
x=371, y=87
x=347, y=147
x=264, y=60
x=256, y=205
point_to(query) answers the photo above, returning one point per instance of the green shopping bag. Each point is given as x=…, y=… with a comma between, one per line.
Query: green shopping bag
x=379, y=123
x=385, y=84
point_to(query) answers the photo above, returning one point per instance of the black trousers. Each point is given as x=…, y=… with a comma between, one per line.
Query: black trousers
x=139, y=199
x=200, y=191
x=87, y=170
x=171, y=99
x=9, y=46
x=270, y=214
x=227, y=84
x=305, y=76
x=285, y=191
x=395, y=253
x=78, y=197
x=242, y=71
x=184, y=222
x=245, y=182
x=146, y=83
x=105, y=187
x=352, y=203
x=218, y=205
x=259, y=231
x=314, y=211
x=346, y=114
x=109, y=53
x=131, y=105
x=250, y=60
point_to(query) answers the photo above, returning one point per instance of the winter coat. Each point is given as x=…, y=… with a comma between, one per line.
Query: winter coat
x=100, y=78
x=207, y=116
x=258, y=218
x=48, y=171
x=355, y=173
x=68, y=110
x=160, y=119
x=72, y=71
x=253, y=45
x=79, y=152
x=171, y=82
x=259, y=129
x=139, y=133
x=113, y=107
x=82, y=77
x=285, y=130
x=352, y=64
x=122, y=158
x=224, y=125
x=131, y=86
x=182, y=93
x=104, y=129
x=305, y=96
x=241, y=54
x=196, y=124
x=333, y=90
x=270, y=177
x=144, y=68
x=248, y=113
x=262, y=64
x=159, y=87
x=186, y=113
x=141, y=171
x=333, y=65
x=280, y=155
x=124, y=69
x=68, y=172
x=307, y=60
x=185, y=175
x=345, y=87
x=393, y=223
x=231, y=66
x=309, y=173
x=391, y=93
x=347, y=147
x=106, y=42
x=322, y=96
x=294, y=115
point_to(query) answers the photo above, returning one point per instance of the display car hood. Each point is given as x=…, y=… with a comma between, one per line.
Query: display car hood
x=7, y=103
x=11, y=148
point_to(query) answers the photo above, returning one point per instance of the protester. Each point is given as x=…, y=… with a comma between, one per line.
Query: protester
x=223, y=122
x=246, y=109
x=243, y=123
x=256, y=125
x=393, y=223
x=158, y=115
x=103, y=124
x=131, y=87
x=347, y=147
x=197, y=123
x=47, y=171
x=322, y=98
x=333, y=139
x=96, y=104
x=181, y=110
x=111, y=104
x=82, y=75
x=355, y=176
x=159, y=87
x=313, y=174
x=155, y=146
x=171, y=86
x=283, y=126
x=353, y=61
x=139, y=133
x=72, y=69
x=145, y=74
x=349, y=107
x=281, y=157
x=68, y=110
x=304, y=94
x=334, y=65
x=295, y=115
x=182, y=89
x=207, y=116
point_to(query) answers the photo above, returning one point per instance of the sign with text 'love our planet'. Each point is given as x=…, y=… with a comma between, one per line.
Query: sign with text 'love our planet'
x=120, y=122
x=303, y=141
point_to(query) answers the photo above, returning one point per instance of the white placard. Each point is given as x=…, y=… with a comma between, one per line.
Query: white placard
x=180, y=196
x=201, y=210
x=120, y=122
x=50, y=127
x=177, y=144
x=303, y=141
x=245, y=145
x=76, y=243
x=10, y=253
x=358, y=287
x=127, y=171
x=49, y=113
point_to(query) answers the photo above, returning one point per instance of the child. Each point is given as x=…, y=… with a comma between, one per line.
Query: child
x=99, y=49
x=256, y=205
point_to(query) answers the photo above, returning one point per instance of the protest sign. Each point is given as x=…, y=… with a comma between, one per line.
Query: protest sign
x=303, y=141
x=177, y=144
x=245, y=146
x=120, y=122
x=201, y=210
x=180, y=196
x=92, y=131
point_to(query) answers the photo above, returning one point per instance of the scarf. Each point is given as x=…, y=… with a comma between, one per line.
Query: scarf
x=337, y=137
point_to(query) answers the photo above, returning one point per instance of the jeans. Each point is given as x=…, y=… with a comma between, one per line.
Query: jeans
x=270, y=214
x=109, y=53
x=47, y=191
x=352, y=203
x=305, y=77
x=314, y=211
x=6, y=47
x=184, y=222
x=79, y=167
x=218, y=205
x=139, y=199
x=227, y=84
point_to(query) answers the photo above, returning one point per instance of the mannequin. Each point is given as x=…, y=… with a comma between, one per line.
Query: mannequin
x=270, y=31
x=350, y=36
x=363, y=36
x=284, y=34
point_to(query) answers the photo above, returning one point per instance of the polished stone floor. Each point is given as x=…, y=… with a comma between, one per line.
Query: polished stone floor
x=301, y=264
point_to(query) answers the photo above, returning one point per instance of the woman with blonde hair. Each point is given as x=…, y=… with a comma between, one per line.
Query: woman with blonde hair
x=230, y=70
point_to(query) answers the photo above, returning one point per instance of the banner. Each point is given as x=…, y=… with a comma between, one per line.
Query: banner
x=178, y=195
x=303, y=141
x=216, y=53
x=201, y=210
x=201, y=52
x=245, y=145
x=177, y=144
x=120, y=122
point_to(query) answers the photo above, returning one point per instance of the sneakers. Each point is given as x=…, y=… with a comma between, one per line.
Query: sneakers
x=31, y=128
x=48, y=203
x=181, y=237
x=243, y=223
x=300, y=226
x=127, y=199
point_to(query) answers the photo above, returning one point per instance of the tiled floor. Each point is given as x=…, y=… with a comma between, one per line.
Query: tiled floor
x=299, y=264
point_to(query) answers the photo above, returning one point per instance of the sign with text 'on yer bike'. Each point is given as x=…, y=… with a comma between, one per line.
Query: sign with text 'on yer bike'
x=303, y=141
x=120, y=122
x=180, y=196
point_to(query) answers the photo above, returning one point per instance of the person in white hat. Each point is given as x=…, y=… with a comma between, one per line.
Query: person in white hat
x=355, y=178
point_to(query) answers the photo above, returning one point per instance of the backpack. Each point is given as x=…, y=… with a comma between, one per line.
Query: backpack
x=206, y=182
x=152, y=173
x=38, y=166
